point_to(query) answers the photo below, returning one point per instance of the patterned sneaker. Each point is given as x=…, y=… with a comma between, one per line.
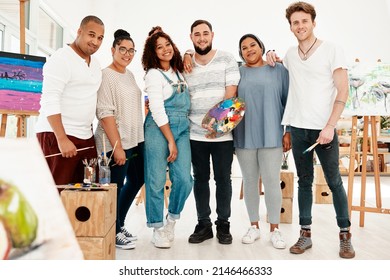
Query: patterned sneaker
x=251, y=236
x=160, y=239
x=303, y=243
x=170, y=228
x=277, y=240
x=128, y=235
x=122, y=242
x=346, y=248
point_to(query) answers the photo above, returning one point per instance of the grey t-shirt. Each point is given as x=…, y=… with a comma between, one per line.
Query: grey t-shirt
x=265, y=91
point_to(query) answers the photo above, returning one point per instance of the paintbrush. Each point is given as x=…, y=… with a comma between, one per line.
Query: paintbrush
x=113, y=150
x=117, y=164
x=310, y=148
x=57, y=154
x=104, y=151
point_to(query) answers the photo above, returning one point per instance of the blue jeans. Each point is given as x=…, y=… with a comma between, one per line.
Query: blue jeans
x=156, y=153
x=222, y=158
x=328, y=156
x=133, y=172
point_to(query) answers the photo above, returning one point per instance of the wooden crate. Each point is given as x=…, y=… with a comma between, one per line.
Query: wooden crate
x=99, y=248
x=319, y=177
x=287, y=183
x=91, y=211
x=286, y=211
x=323, y=194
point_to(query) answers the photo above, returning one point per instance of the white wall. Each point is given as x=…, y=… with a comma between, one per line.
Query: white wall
x=361, y=27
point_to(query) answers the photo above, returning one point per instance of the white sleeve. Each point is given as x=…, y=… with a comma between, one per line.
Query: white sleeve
x=154, y=88
x=56, y=74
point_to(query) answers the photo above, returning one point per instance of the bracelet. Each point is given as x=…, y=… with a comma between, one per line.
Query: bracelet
x=331, y=125
x=269, y=51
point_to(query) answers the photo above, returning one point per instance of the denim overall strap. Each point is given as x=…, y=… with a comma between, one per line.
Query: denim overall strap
x=178, y=103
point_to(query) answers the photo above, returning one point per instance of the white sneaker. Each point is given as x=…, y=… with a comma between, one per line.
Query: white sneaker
x=128, y=235
x=122, y=242
x=277, y=239
x=170, y=228
x=251, y=236
x=160, y=239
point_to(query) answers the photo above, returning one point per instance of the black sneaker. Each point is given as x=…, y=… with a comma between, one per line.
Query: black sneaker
x=223, y=233
x=201, y=233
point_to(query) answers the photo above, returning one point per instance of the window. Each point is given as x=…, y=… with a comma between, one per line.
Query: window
x=50, y=32
x=11, y=10
x=1, y=37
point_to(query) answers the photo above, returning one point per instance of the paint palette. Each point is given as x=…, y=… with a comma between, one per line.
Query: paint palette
x=223, y=117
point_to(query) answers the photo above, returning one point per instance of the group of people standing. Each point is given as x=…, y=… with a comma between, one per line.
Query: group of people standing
x=181, y=89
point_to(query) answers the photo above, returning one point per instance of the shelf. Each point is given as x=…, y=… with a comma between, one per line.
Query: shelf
x=344, y=135
x=345, y=173
x=361, y=153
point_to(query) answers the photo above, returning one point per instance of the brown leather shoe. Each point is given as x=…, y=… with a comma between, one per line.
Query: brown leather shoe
x=346, y=248
x=303, y=243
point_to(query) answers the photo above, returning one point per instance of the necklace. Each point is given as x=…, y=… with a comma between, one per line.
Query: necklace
x=305, y=53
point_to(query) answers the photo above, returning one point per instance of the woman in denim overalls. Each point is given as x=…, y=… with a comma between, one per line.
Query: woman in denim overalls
x=167, y=142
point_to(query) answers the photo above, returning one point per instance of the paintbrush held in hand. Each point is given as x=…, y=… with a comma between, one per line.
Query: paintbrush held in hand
x=78, y=150
x=310, y=148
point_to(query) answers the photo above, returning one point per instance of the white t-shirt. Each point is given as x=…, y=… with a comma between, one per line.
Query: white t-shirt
x=207, y=85
x=70, y=89
x=312, y=90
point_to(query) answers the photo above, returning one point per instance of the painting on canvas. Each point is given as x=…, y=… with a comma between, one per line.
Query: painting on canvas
x=369, y=90
x=20, y=82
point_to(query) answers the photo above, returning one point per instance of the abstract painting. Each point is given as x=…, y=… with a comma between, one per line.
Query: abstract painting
x=20, y=82
x=369, y=90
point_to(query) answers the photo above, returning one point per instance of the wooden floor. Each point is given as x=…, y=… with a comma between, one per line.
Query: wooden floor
x=371, y=242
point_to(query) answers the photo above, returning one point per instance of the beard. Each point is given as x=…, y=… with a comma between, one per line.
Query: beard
x=203, y=51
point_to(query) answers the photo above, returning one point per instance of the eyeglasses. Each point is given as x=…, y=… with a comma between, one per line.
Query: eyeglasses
x=123, y=50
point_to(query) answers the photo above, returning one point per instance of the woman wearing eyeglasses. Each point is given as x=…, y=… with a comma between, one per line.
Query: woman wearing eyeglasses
x=167, y=135
x=119, y=111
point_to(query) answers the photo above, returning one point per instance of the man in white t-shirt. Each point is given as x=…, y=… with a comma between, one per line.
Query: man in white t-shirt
x=214, y=77
x=71, y=78
x=317, y=94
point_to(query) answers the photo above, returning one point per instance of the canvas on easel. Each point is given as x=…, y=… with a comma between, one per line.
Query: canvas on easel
x=20, y=88
x=369, y=97
x=369, y=90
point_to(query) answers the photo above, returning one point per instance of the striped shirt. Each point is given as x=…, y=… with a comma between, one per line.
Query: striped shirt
x=120, y=96
x=207, y=84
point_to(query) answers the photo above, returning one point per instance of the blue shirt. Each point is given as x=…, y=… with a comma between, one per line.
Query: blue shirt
x=265, y=91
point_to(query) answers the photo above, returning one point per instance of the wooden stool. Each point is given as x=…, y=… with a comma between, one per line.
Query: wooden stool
x=323, y=194
x=260, y=188
x=286, y=184
x=286, y=211
x=167, y=191
x=92, y=214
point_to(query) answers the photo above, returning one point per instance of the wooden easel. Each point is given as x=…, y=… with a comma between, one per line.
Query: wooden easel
x=21, y=115
x=362, y=208
x=21, y=122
